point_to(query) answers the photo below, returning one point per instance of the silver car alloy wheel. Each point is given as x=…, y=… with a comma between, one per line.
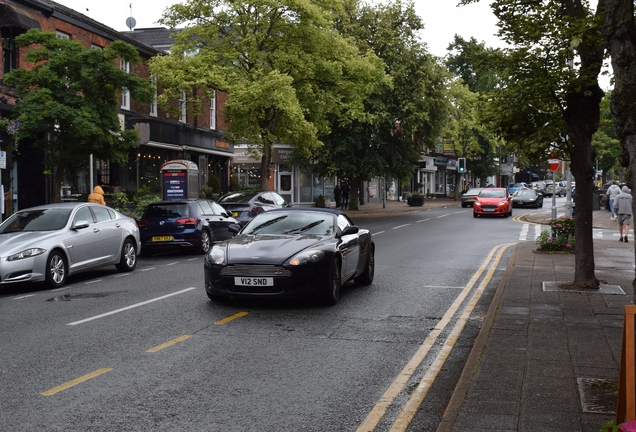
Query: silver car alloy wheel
x=57, y=269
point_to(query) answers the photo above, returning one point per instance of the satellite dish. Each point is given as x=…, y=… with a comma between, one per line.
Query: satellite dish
x=131, y=23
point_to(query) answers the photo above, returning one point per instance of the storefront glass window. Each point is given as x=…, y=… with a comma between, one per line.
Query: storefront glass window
x=249, y=175
x=304, y=185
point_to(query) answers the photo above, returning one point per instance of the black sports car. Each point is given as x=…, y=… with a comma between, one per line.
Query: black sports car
x=291, y=252
x=527, y=198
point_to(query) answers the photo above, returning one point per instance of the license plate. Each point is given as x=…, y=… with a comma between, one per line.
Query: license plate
x=253, y=281
x=487, y=209
x=235, y=214
x=161, y=238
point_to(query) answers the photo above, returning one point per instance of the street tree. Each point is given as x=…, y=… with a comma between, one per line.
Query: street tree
x=405, y=116
x=69, y=101
x=284, y=67
x=610, y=156
x=549, y=98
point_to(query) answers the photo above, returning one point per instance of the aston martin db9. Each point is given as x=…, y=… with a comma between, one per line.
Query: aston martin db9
x=291, y=252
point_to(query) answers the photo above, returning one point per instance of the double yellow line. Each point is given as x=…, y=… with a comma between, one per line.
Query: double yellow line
x=417, y=396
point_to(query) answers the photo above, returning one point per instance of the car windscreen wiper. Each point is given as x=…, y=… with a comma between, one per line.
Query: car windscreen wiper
x=305, y=228
x=266, y=224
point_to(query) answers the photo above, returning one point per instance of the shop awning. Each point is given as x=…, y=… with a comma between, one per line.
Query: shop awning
x=13, y=17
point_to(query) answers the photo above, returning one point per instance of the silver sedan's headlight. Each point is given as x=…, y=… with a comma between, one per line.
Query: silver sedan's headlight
x=310, y=256
x=27, y=253
x=217, y=255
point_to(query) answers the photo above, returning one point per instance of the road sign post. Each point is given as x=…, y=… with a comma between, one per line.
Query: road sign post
x=554, y=166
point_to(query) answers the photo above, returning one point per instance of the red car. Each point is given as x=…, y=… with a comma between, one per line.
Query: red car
x=493, y=201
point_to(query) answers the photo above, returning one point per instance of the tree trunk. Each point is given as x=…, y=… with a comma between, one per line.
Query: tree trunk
x=620, y=38
x=354, y=194
x=266, y=161
x=582, y=119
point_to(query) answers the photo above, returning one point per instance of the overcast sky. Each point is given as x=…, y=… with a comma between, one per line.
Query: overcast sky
x=442, y=18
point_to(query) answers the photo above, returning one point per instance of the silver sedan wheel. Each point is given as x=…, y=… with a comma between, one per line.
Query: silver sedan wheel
x=56, y=270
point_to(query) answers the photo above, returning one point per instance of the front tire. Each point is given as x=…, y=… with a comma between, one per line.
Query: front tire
x=56, y=270
x=206, y=241
x=366, y=278
x=334, y=283
x=128, y=260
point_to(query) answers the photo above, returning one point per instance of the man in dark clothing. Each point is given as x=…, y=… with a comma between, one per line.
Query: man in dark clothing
x=336, y=194
x=345, y=189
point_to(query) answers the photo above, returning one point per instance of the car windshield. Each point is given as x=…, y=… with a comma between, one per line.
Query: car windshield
x=473, y=191
x=517, y=185
x=36, y=220
x=492, y=193
x=237, y=197
x=296, y=223
x=525, y=192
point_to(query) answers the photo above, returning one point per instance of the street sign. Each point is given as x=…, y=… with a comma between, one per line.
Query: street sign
x=554, y=164
x=3, y=160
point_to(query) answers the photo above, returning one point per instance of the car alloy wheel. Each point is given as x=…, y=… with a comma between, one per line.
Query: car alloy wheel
x=205, y=242
x=366, y=278
x=56, y=270
x=128, y=260
x=334, y=282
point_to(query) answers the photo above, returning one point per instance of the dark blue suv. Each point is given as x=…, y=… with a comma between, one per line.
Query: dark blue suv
x=194, y=224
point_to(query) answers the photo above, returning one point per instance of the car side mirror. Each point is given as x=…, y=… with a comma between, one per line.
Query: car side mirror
x=234, y=228
x=81, y=224
x=290, y=204
x=351, y=229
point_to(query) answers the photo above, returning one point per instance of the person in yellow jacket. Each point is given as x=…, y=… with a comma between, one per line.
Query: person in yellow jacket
x=97, y=196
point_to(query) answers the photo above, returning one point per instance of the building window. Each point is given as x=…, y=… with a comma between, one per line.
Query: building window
x=9, y=50
x=62, y=35
x=125, y=93
x=153, y=104
x=97, y=47
x=213, y=112
x=182, y=106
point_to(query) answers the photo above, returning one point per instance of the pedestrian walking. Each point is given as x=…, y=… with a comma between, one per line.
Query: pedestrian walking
x=612, y=192
x=346, y=189
x=97, y=196
x=623, y=208
x=336, y=194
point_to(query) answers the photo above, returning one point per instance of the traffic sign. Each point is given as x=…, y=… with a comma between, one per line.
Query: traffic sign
x=554, y=164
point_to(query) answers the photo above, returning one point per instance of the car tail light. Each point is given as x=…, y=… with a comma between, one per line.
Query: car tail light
x=186, y=221
x=256, y=209
x=142, y=223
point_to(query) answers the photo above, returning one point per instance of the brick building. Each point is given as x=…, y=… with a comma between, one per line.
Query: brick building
x=163, y=137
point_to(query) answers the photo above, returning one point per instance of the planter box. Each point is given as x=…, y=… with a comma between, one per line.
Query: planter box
x=326, y=203
x=416, y=201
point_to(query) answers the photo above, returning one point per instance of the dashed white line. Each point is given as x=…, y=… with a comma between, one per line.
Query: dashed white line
x=423, y=220
x=122, y=275
x=193, y=259
x=93, y=281
x=401, y=226
x=444, y=215
x=379, y=232
x=24, y=296
x=147, y=269
x=131, y=306
x=172, y=263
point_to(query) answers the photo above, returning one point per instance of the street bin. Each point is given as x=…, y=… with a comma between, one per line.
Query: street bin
x=180, y=180
x=595, y=201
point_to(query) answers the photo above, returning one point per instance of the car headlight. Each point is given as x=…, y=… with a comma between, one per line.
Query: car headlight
x=504, y=202
x=217, y=255
x=310, y=256
x=27, y=253
x=477, y=203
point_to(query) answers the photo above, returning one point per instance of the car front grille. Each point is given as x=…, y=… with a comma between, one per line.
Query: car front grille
x=255, y=270
x=489, y=207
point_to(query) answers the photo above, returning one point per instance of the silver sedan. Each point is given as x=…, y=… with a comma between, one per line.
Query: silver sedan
x=50, y=242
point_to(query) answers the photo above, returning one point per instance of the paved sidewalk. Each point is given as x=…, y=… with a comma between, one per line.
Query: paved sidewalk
x=543, y=353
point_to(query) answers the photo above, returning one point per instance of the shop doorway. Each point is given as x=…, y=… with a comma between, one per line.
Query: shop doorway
x=286, y=182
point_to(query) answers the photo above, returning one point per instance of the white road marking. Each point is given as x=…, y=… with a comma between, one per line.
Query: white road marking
x=444, y=215
x=401, y=226
x=122, y=275
x=147, y=269
x=172, y=263
x=131, y=306
x=24, y=296
x=93, y=281
x=193, y=259
x=379, y=232
x=423, y=220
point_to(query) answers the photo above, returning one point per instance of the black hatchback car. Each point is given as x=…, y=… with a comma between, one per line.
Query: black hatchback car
x=184, y=223
x=245, y=205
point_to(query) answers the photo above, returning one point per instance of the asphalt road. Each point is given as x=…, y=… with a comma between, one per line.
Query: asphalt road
x=148, y=351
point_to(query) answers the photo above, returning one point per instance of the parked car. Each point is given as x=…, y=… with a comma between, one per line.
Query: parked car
x=493, y=201
x=516, y=186
x=48, y=243
x=469, y=197
x=527, y=198
x=190, y=223
x=245, y=205
x=553, y=188
x=539, y=186
x=291, y=252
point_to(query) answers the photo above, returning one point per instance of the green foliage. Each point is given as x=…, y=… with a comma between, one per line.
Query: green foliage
x=284, y=69
x=214, y=183
x=405, y=115
x=141, y=202
x=561, y=237
x=120, y=201
x=70, y=99
x=208, y=193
